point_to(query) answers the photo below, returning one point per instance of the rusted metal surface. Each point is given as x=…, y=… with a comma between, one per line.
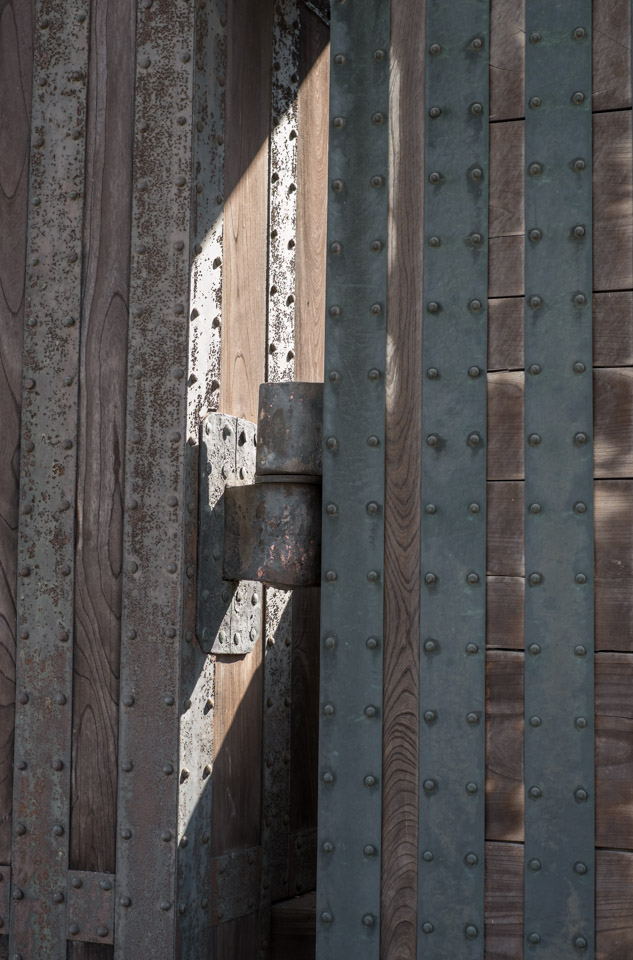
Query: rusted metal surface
x=289, y=428
x=321, y=8
x=235, y=879
x=90, y=906
x=44, y=660
x=272, y=533
x=154, y=561
x=228, y=613
x=303, y=856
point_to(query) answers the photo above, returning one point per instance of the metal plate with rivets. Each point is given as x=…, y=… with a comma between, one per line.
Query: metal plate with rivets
x=154, y=523
x=453, y=539
x=46, y=540
x=559, y=552
x=229, y=612
x=350, y=737
x=90, y=907
x=235, y=879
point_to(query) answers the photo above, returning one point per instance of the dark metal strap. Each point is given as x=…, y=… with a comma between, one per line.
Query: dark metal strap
x=350, y=760
x=559, y=634
x=48, y=471
x=453, y=602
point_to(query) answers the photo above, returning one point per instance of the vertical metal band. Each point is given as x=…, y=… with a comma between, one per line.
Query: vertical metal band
x=559, y=633
x=350, y=742
x=48, y=470
x=197, y=669
x=453, y=550
x=154, y=557
x=280, y=366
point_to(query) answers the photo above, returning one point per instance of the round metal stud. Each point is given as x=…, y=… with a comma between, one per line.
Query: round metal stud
x=471, y=859
x=476, y=173
x=580, y=439
x=434, y=49
x=474, y=305
x=328, y=710
x=432, y=306
x=580, y=299
x=535, y=38
x=427, y=856
x=427, y=927
x=535, y=721
x=432, y=440
x=474, y=439
x=326, y=917
x=580, y=651
x=473, y=508
x=579, y=165
x=472, y=649
x=580, y=507
x=578, y=97
x=327, y=846
x=535, y=369
x=369, y=781
x=472, y=578
x=534, y=439
x=580, y=943
x=434, y=113
x=328, y=777
x=472, y=718
x=435, y=177
x=434, y=242
x=474, y=372
x=535, y=302
x=534, y=938
x=535, y=579
x=581, y=795
x=534, y=865
x=369, y=850
x=371, y=643
x=430, y=508
x=472, y=788
x=370, y=711
x=535, y=508
x=535, y=793
x=477, y=109
x=580, y=867
x=581, y=578
x=373, y=576
x=430, y=578
x=368, y=920
x=429, y=786
x=432, y=373
x=430, y=716
x=535, y=235
x=430, y=646
x=535, y=169
x=581, y=723
x=534, y=649
x=471, y=931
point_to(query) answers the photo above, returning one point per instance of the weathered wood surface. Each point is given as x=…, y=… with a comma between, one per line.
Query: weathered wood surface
x=312, y=162
x=294, y=928
x=16, y=61
x=402, y=487
x=101, y=442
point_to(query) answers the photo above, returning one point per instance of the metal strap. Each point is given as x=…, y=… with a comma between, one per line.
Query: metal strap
x=559, y=634
x=350, y=749
x=48, y=468
x=453, y=550
x=153, y=542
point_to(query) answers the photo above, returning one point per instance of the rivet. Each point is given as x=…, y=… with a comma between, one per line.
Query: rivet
x=535, y=235
x=534, y=865
x=580, y=651
x=579, y=367
x=430, y=716
x=580, y=507
x=132, y=566
x=370, y=711
x=372, y=576
x=126, y=766
x=581, y=578
x=535, y=369
x=578, y=97
x=534, y=439
x=102, y=931
x=65, y=569
x=377, y=117
x=125, y=901
x=368, y=920
x=23, y=698
x=581, y=723
x=476, y=173
x=164, y=905
x=535, y=792
x=377, y=181
x=535, y=102
x=476, y=239
x=326, y=917
x=432, y=306
x=535, y=169
x=372, y=508
x=58, y=765
x=475, y=305
x=579, y=165
x=374, y=374
x=29, y=446
x=171, y=568
x=24, y=571
x=328, y=777
x=580, y=867
x=471, y=931
x=376, y=246
x=535, y=579
x=58, y=897
x=376, y=309
x=328, y=710
x=21, y=764
x=580, y=439
x=369, y=850
x=20, y=829
x=472, y=718
x=58, y=830
x=474, y=439
x=430, y=646
x=339, y=59
x=371, y=643
x=430, y=508
x=429, y=786
x=534, y=938
x=433, y=440
x=581, y=795
x=534, y=649
x=535, y=508
x=579, y=231
x=434, y=241
x=430, y=578
x=435, y=177
x=580, y=33
x=330, y=643
x=434, y=113
x=474, y=372
x=535, y=38
x=327, y=846
x=535, y=721
x=477, y=43
x=427, y=856
x=335, y=311
x=427, y=927
x=17, y=894
x=472, y=788
x=168, y=769
x=337, y=185
x=379, y=55
x=535, y=302
x=29, y=384
x=580, y=299
x=472, y=578
x=67, y=444
x=471, y=859
x=477, y=109
x=330, y=575
x=373, y=441
x=434, y=49
x=60, y=699
x=335, y=247
x=580, y=943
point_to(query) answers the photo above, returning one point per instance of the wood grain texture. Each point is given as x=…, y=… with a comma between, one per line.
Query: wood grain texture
x=506, y=438
x=507, y=59
x=101, y=439
x=611, y=54
x=614, y=748
x=504, y=613
x=505, y=529
x=244, y=295
x=294, y=928
x=402, y=486
x=507, y=155
x=612, y=331
x=304, y=722
x=235, y=939
x=16, y=58
x=312, y=168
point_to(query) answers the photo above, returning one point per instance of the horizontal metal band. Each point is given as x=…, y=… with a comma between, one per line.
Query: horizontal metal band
x=453, y=541
x=559, y=550
x=350, y=739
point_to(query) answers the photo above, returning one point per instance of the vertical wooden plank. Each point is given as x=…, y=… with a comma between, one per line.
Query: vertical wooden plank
x=101, y=441
x=402, y=485
x=16, y=60
x=312, y=118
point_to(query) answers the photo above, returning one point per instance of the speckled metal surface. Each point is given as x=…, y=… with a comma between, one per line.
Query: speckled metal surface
x=46, y=541
x=290, y=429
x=90, y=897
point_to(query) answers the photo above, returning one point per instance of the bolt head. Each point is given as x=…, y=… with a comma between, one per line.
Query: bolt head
x=434, y=113
x=471, y=931
x=535, y=721
x=430, y=646
x=327, y=846
x=427, y=927
x=581, y=723
x=535, y=793
x=534, y=938
x=472, y=718
x=427, y=856
x=429, y=785
x=430, y=716
x=535, y=102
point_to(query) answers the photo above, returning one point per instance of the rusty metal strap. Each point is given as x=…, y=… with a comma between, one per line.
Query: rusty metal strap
x=235, y=884
x=350, y=739
x=90, y=907
x=559, y=548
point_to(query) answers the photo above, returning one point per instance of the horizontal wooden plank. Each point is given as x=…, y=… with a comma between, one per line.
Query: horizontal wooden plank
x=612, y=331
x=614, y=748
x=612, y=206
x=504, y=903
x=611, y=57
x=294, y=928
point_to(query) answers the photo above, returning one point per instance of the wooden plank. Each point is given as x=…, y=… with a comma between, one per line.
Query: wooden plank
x=507, y=161
x=16, y=61
x=238, y=681
x=313, y=126
x=504, y=903
x=100, y=486
x=236, y=938
x=505, y=528
x=304, y=723
x=402, y=487
x=613, y=210
x=613, y=504
x=614, y=748
x=612, y=331
x=506, y=439
x=507, y=59
x=611, y=54
x=505, y=619
x=294, y=928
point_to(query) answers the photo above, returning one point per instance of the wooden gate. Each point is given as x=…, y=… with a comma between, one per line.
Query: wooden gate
x=164, y=194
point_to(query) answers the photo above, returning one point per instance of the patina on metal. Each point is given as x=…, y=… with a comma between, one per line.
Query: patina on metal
x=289, y=429
x=229, y=612
x=350, y=736
x=559, y=541
x=154, y=557
x=48, y=469
x=272, y=533
x=453, y=534
x=90, y=906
